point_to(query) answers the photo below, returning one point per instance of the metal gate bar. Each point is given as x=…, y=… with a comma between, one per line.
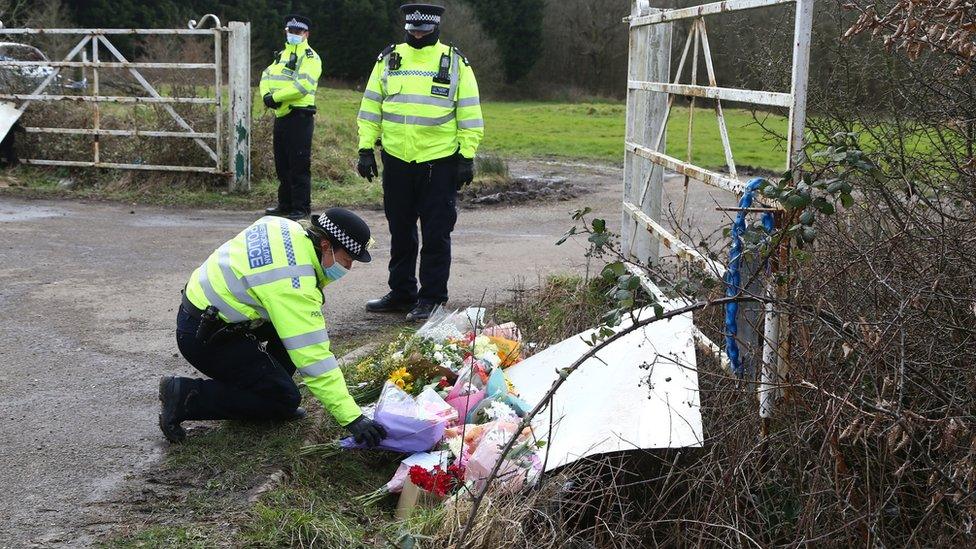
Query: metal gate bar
x=774, y=350
x=239, y=112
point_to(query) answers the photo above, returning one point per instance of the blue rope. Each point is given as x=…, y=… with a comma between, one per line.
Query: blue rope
x=733, y=277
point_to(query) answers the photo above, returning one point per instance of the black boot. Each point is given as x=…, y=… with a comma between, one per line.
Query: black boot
x=277, y=211
x=390, y=304
x=170, y=413
x=422, y=311
x=296, y=216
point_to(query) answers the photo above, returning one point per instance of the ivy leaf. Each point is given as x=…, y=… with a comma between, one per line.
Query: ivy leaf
x=600, y=225
x=599, y=240
x=614, y=270
x=847, y=200
x=565, y=237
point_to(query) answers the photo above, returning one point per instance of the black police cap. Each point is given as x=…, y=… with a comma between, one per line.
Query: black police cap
x=422, y=16
x=346, y=230
x=295, y=21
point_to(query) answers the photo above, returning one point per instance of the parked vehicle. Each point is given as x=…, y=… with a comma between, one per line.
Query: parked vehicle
x=23, y=79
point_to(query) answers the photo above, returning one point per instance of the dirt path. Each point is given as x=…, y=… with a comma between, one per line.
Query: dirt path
x=89, y=295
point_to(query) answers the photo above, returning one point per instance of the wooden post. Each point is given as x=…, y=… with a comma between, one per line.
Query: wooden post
x=239, y=81
x=650, y=58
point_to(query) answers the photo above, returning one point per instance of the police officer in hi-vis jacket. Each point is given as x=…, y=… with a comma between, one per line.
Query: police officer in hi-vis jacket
x=421, y=105
x=288, y=87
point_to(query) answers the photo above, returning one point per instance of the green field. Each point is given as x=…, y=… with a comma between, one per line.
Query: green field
x=586, y=131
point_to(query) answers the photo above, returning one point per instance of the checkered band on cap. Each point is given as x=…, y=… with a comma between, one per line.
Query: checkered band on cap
x=347, y=241
x=418, y=17
x=296, y=24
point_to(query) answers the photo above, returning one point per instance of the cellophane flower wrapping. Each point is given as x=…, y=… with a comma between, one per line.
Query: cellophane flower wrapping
x=410, y=425
x=466, y=394
x=521, y=467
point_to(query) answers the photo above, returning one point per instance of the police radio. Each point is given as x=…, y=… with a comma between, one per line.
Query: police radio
x=444, y=72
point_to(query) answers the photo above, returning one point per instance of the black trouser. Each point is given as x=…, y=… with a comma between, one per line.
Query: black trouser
x=293, y=160
x=426, y=191
x=247, y=381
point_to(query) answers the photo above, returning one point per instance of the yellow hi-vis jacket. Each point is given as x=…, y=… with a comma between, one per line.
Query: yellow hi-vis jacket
x=270, y=272
x=417, y=117
x=293, y=78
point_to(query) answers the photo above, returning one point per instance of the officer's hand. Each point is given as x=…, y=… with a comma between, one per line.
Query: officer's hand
x=465, y=172
x=365, y=430
x=367, y=164
x=270, y=102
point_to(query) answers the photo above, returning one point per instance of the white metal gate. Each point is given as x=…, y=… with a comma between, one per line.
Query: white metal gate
x=651, y=93
x=95, y=51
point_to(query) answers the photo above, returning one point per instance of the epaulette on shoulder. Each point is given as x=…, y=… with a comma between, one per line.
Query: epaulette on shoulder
x=310, y=53
x=461, y=55
x=386, y=51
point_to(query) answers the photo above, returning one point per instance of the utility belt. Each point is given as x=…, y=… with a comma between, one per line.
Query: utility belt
x=211, y=327
x=443, y=160
x=301, y=111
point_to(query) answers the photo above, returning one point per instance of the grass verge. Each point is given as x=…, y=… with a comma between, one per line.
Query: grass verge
x=209, y=477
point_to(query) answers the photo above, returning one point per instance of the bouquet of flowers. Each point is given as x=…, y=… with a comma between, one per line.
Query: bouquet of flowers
x=421, y=460
x=445, y=388
x=412, y=424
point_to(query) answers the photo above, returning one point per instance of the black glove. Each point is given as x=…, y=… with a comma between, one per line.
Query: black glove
x=270, y=102
x=367, y=164
x=465, y=172
x=366, y=430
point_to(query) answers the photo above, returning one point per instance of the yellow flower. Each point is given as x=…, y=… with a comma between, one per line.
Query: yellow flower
x=401, y=378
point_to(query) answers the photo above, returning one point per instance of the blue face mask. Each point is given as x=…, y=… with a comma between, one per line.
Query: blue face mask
x=336, y=271
x=293, y=39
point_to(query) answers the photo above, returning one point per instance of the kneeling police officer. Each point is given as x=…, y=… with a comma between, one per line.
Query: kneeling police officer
x=251, y=316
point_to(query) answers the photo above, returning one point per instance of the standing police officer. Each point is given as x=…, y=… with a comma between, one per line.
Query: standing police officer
x=288, y=87
x=422, y=103
x=252, y=315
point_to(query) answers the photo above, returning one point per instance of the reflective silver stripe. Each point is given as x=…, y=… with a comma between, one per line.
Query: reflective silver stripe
x=370, y=94
x=372, y=117
x=301, y=88
x=276, y=274
x=308, y=79
x=418, y=120
x=420, y=100
x=232, y=314
x=316, y=369
x=455, y=68
x=277, y=77
x=469, y=124
x=386, y=72
x=234, y=284
x=469, y=102
x=304, y=340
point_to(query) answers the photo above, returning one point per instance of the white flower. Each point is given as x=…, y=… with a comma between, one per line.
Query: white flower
x=492, y=359
x=500, y=411
x=454, y=445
